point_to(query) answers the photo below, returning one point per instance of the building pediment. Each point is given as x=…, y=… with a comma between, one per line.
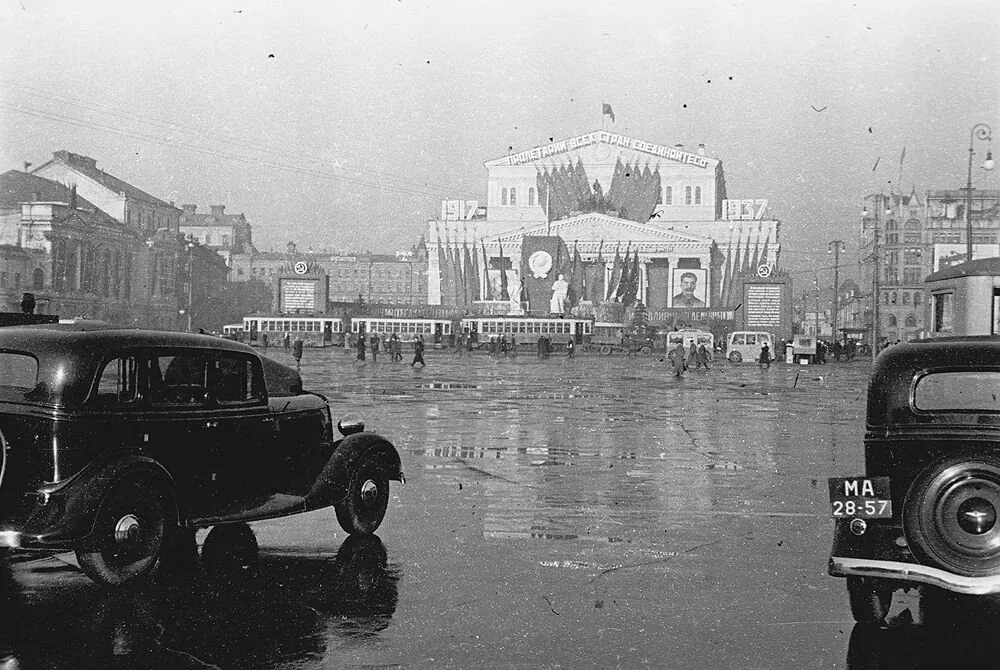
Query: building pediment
x=603, y=142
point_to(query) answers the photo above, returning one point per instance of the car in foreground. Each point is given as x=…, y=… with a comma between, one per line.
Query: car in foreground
x=925, y=511
x=113, y=441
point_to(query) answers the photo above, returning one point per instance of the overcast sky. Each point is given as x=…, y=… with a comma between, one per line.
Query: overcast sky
x=345, y=124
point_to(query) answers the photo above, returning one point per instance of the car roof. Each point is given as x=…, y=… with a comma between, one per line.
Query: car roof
x=87, y=334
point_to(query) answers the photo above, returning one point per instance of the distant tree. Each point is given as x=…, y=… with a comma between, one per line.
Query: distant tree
x=235, y=300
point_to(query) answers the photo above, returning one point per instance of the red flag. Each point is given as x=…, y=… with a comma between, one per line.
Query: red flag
x=606, y=109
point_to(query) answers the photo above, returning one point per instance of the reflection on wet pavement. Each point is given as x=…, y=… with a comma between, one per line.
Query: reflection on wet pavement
x=286, y=608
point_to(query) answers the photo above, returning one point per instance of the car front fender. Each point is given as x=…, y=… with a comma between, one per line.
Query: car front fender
x=333, y=481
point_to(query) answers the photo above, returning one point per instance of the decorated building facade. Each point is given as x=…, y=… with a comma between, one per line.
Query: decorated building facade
x=624, y=221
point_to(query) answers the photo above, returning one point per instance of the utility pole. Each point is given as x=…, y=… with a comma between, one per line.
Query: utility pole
x=835, y=246
x=875, y=282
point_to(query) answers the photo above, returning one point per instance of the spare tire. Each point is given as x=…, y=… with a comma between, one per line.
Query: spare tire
x=950, y=514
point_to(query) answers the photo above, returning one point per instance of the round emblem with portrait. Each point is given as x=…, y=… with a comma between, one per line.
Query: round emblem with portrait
x=540, y=263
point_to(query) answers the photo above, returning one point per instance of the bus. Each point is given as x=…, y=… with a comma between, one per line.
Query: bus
x=316, y=331
x=687, y=336
x=433, y=331
x=527, y=329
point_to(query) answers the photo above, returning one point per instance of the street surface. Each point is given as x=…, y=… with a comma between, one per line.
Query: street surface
x=584, y=513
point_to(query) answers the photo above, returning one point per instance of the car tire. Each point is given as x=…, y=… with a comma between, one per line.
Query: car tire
x=870, y=599
x=605, y=350
x=950, y=515
x=128, y=535
x=362, y=510
x=735, y=357
x=230, y=550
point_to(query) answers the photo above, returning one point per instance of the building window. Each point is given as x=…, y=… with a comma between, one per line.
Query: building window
x=687, y=195
x=918, y=298
x=513, y=196
x=892, y=298
x=697, y=195
x=38, y=278
x=892, y=321
x=531, y=195
x=911, y=321
x=906, y=297
x=503, y=196
x=885, y=298
x=668, y=195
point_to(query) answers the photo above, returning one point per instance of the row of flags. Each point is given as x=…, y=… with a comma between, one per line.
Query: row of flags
x=745, y=255
x=465, y=275
x=566, y=190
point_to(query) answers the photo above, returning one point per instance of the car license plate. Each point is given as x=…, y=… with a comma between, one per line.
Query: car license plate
x=860, y=497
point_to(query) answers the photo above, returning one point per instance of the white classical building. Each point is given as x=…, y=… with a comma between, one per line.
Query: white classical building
x=663, y=209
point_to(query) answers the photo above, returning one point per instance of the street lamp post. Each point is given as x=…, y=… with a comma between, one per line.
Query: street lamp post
x=190, y=282
x=836, y=246
x=983, y=132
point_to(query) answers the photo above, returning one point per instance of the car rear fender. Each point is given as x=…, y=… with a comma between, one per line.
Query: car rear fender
x=332, y=483
x=70, y=510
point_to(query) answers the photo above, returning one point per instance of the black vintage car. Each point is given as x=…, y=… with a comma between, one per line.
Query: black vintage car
x=925, y=512
x=115, y=441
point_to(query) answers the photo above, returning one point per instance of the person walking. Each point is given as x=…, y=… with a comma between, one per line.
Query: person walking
x=570, y=348
x=701, y=358
x=361, y=346
x=677, y=359
x=765, y=357
x=418, y=352
x=375, y=340
x=693, y=355
x=286, y=340
x=395, y=348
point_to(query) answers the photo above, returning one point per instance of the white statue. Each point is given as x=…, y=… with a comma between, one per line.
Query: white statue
x=559, y=289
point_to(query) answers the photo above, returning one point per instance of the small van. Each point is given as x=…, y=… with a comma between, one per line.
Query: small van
x=745, y=345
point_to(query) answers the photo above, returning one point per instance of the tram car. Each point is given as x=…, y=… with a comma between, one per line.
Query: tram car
x=439, y=332
x=528, y=329
x=316, y=331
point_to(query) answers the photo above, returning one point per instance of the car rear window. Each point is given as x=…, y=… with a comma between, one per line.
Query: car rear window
x=958, y=391
x=18, y=371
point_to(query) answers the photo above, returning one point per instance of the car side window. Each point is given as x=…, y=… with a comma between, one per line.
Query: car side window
x=177, y=379
x=118, y=382
x=739, y=339
x=751, y=339
x=231, y=380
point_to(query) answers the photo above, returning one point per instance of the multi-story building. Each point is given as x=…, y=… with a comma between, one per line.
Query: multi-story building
x=77, y=259
x=893, y=244
x=152, y=264
x=225, y=234
x=914, y=239
x=399, y=278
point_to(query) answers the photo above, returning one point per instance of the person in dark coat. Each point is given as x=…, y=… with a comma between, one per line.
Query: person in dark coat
x=375, y=342
x=677, y=357
x=418, y=352
x=701, y=357
x=765, y=357
x=361, y=346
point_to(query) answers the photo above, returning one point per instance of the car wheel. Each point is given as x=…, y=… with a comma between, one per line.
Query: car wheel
x=230, y=550
x=128, y=533
x=870, y=599
x=950, y=515
x=362, y=511
x=605, y=350
x=735, y=357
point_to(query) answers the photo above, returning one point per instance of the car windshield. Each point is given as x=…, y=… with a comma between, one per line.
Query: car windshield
x=958, y=391
x=18, y=371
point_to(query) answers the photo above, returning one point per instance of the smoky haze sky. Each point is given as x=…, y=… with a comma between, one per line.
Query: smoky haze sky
x=343, y=125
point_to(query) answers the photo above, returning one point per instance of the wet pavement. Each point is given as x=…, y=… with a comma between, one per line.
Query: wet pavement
x=593, y=512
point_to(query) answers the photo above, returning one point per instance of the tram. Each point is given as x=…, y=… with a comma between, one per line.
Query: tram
x=433, y=331
x=527, y=329
x=317, y=331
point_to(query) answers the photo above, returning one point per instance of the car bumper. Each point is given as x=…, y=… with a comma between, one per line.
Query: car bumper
x=841, y=566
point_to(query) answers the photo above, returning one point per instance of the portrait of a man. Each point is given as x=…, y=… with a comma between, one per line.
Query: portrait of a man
x=689, y=287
